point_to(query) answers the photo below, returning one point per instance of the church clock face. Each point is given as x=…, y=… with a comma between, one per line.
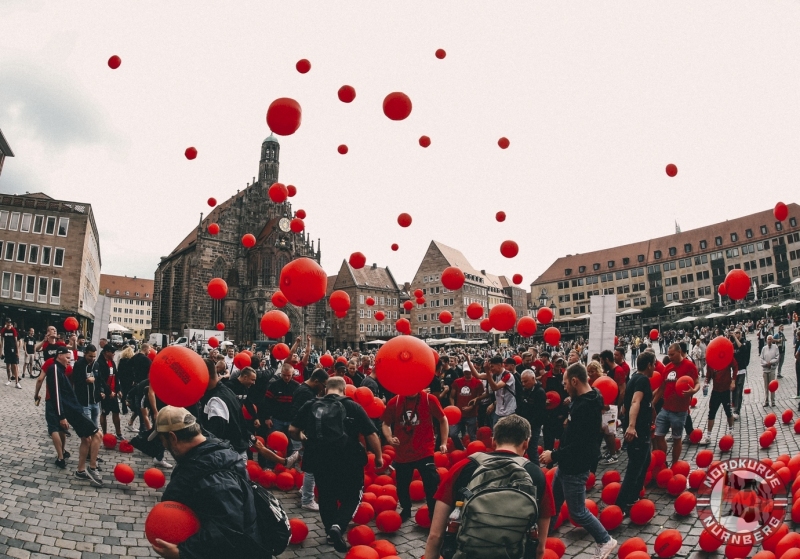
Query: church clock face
x=284, y=224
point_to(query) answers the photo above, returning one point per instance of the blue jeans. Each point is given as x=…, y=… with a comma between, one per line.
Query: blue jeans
x=92, y=413
x=468, y=425
x=307, y=491
x=572, y=488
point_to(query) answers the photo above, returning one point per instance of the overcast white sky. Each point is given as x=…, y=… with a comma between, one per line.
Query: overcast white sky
x=596, y=98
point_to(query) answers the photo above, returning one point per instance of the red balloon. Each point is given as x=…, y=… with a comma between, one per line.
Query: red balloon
x=642, y=512
x=726, y=443
x=275, y=324
x=787, y=416
x=773, y=386
x=424, y=141
x=608, y=388
x=704, y=458
x=422, y=518
x=213, y=342
x=190, y=154
x=375, y=409
x=213, y=228
x=71, y=324
x=385, y=502
x=279, y=300
x=379, y=316
x=719, y=353
x=357, y=260
x=395, y=246
x=696, y=436
x=453, y=414
x=342, y=149
x=339, y=301
x=672, y=170
x=297, y=225
x=249, y=240
x=653, y=334
x=655, y=381
x=364, y=396
x=403, y=326
x=109, y=441
x=544, y=315
x=737, y=284
x=503, y=143
x=708, y=542
x=526, y=327
x=369, y=301
x=440, y=54
x=733, y=551
x=453, y=278
x=486, y=325
x=242, y=360
x=781, y=211
x=178, y=376
x=611, y=517
x=668, y=543
x=364, y=514
x=299, y=530
x=217, y=288
x=126, y=447
x=404, y=365
x=150, y=355
x=502, y=317
x=397, y=106
x=474, y=311
x=631, y=545
x=770, y=419
x=284, y=116
x=404, y=220
x=509, y=249
x=278, y=441
x=610, y=493
x=552, y=336
x=172, y=522
x=220, y=326
x=696, y=478
x=787, y=542
x=611, y=476
x=421, y=301
x=517, y=279
x=154, y=478
x=553, y=399
x=684, y=384
x=278, y=193
x=303, y=282
x=676, y=485
x=300, y=213
x=292, y=190
x=346, y=94
x=445, y=317
x=303, y=66
x=280, y=351
x=285, y=481
x=388, y=521
x=722, y=290
x=114, y=62
x=326, y=360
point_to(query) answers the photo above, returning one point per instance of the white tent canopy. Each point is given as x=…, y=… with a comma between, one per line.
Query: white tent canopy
x=116, y=327
x=701, y=300
x=687, y=319
x=376, y=342
x=715, y=315
x=738, y=311
x=671, y=305
x=796, y=280
x=789, y=302
x=631, y=311
x=765, y=306
x=771, y=286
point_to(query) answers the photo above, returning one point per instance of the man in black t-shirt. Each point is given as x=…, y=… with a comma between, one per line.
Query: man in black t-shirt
x=29, y=343
x=9, y=340
x=638, y=405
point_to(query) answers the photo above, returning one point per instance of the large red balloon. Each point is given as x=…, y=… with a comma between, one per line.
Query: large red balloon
x=213, y=342
x=213, y=228
x=357, y=260
x=178, y=376
x=440, y=54
x=475, y=311
x=292, y=190
x=405, y=365
x=486, y=325
x=509, y=249
x=737, y=284
x=190, y=153
x=672, y=170
x=278, y=192
x=342, y=149
x=249, y=240
x=303, y=66
x=379, y=316
x=544, y=315
x=453, y=278
x=297, y=225
x=124, y=473
x=781, y=211
x=279, y=299
x=445, y=317
x=154, y=478
x=653, y=334
x=526, y=327
x=503, y=143
x=275, y=324
x=403, y=326
x=552, y=336
x=346, y=93
x=114, y=62
x=642, y=511
x=217, y=288
x=280, y=351
x=339, y=301
x=284, y=116
x=397, y=106
x=719, y=353
x=502, y=317
x=668, y=543
x=404, y=220
x=608, y=388
x=220, y=326
x=172, y=522
x=71, y=324
x=303, y=282
x=300, y=213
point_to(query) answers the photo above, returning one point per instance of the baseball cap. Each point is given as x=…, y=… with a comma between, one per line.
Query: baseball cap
x=496, y=360
x=465, y=366
x=509, y=361
x=108, y=347
x=62, y=349
x=170, y=419
x=340, y=365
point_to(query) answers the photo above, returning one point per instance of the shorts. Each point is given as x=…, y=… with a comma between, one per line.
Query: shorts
x=51, y=417
x=670, y=419
x=609, y=421
x=11, y=359
x=109, y=405
x=83, y=427
x=29, y=358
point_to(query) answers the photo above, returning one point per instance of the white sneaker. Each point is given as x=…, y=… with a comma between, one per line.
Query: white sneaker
x=292, y=459
x=310, y=506
x=736, y=417
x=18, y=386
x=9, y=382
x=604, y=550
x=162, y=463
x=705, y=440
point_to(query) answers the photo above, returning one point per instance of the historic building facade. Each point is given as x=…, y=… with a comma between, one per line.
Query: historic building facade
x=131, y=302
x=180, y=299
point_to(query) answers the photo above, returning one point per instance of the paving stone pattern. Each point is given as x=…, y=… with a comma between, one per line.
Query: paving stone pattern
x=46, y=512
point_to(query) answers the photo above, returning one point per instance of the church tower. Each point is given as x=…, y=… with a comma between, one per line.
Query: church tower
x=268, y=167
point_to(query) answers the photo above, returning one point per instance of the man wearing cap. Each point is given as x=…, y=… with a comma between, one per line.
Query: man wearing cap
x=501, y=382
x=9, y=344
x=62, y=410
x=464, y=395
x=106, y=371
x=210, y=479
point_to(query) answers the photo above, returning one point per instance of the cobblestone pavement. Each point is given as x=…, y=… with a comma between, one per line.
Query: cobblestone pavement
x=46, y=512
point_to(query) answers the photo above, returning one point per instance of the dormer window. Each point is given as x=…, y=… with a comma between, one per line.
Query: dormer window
x=625, y=261
x=718, y=241
x=703, y=245
x=596, y=266
x=581, y=269
x=610, y=263
x=734, y=237
x=657, y=254
x=687, y=248
x=673, y=251
x=568, y=271
x=778, y=226
x=640, y=258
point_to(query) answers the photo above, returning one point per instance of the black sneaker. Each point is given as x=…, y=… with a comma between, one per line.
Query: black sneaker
x=611, y=460
x=67, y=455
x=82, y=475
x=61, y=464
x=337, y=541
x=405, y=514
x=99, y=460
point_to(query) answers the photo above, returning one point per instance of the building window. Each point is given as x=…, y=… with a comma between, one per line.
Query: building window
x=703, y=245
x=3, y=219
x=763, y=229
x=625, y=261
x=33, y=254
x=718, y=241
x=673, y=251
x=30, y=288
x=748, y=233
x=5, y=290
x=640, y=258
x=46, y=256
x=22, y=251
x=25, y=226
x=38, y=223
x=58, y=261
x=9, y=251
x=778, y=226
x=793, y=221
x=734, y=237
x=687, y=248
x=610, y=263
x=17, y=294
x=581, y=269
x=669, y=266
x=14, y=223
x=568, y=271
x=657, y=255
x=595, y=266
x=50, y=226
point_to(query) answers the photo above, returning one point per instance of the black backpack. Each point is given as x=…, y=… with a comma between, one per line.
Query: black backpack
x=273, y=523
x=327, y=427
x=517, y=393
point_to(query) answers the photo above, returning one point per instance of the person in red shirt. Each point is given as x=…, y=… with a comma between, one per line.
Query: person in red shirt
x=676, y=404
x=724, y=383
x=49, y=348
x=511, y=436
x=300, y=364
x=464, y=395
x=408, y=426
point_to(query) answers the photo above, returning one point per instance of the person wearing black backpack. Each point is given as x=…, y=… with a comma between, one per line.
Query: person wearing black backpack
x=329, y=427
x=472, y=518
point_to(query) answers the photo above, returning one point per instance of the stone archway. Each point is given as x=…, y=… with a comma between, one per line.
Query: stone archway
x=251, y=330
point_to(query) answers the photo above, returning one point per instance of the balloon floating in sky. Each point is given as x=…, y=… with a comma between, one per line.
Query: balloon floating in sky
x=114, y=62
x=397, y=106
x=737, y=284
x=278, y=193
x=517, y=279
x=300, y=213
x=395, y=246
x=303, y=281
x=357, y=260
x=424, y=141
x=249, y=240
x=509, y=249
x=404, y=220
x=503, y=143
x=781, y=211
x=303, y=66
x=672, y=170
x=440, y=54
x=500, y=216
x=474, y=311
x=190, y=153
x=212, y=202
x=297, y=225
x=291, y=189
x=453, y=278
x=346, y=94
x=217, y=288
x=213, y=228
x=284, y=116
x=342, y=149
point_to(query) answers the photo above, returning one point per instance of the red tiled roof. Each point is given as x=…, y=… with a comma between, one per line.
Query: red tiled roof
x=125, y=284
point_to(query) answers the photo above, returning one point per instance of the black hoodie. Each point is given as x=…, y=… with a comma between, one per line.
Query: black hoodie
x=579, y=447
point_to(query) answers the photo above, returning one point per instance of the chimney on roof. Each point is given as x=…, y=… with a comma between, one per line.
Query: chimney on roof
x=374, y=266
x=483, y=272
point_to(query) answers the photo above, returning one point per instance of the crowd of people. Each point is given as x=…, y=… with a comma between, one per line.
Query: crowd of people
x=538, y=402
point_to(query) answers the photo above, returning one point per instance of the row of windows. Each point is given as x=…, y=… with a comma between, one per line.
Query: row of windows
x=136, y=302
x=32, y=254
x=444, y=330
x=367, y=313
x=379, y=300
x=438, y=303
x=34, y=290
x=23, y=222
x=124, y=320
x=127, y=294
